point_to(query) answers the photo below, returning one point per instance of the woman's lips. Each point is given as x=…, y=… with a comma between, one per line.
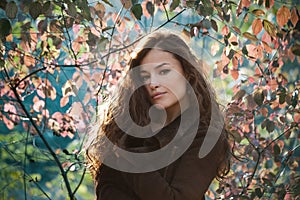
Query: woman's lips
x=157, y=95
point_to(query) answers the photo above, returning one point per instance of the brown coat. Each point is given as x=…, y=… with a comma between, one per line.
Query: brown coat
x=188, y=178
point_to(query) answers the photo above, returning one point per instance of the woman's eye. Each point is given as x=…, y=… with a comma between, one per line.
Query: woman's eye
x=164, y=71
x=145, y=78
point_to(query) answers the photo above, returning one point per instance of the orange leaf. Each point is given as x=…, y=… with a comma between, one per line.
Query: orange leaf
x=267, y=48
x=254, y=51
x=264, y=112
x=294, y=16
x=266, y=38
x=273, y=84
x=29, y=61
x=225, y=30
x=235, y=62
x=283, y=15
x=256, y=26
x=235, y=74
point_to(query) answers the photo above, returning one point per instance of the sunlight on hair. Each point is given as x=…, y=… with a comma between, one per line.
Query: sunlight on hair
x=133, y=55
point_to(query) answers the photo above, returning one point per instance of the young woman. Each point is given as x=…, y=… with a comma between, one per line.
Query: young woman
x=162, y=137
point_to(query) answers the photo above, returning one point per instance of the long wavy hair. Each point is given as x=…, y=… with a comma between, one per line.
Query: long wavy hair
x=140, y=104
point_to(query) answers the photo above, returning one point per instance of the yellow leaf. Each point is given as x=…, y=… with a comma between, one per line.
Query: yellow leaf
x=258, y=12
x=270, y=28
x=250, y=36
x=283, y=15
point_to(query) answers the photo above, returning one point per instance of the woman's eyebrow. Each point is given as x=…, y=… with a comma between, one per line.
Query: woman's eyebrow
x=156, y=67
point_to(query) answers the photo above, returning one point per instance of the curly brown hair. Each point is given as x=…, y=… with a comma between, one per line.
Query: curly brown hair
x=140, y=104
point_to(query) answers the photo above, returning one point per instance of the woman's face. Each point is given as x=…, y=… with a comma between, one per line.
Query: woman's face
x=165, y=81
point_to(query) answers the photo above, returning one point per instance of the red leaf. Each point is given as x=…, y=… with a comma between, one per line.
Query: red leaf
x=9, y=124
x=225, y=30
x=256, y=26
x=294, y=16
x=235, y=74
x=283, y=15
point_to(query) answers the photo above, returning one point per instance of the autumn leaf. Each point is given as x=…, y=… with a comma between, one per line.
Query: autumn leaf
x=283, y=15
x=256, y=26
x=64, y=101
x=39, y=105
x=258, y=12
x=270, y=28
x=267, y=48
x=9, y=124
x=214, y=25
x=294, y=16
x=29, y=61
x=225, y=30
x=100, y=10
x=234, y=73
x=126, y=3
x=250, y=36
x=11, y=10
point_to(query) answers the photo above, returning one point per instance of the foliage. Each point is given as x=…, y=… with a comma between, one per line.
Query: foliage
x=60, y=59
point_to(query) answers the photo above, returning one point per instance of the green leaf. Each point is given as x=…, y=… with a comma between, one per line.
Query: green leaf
x=214, y=25
x=174, y=4
x=259, y=97
x=134, y=1
x=276, y=149
x=47, y=9
x=296, y=49
x=5, y=29
x=282, y=97
x=245, y=51
x=206, y=24
x=237, y=136
x=102, y=43
x=150, y=8
x=72, y=11
x=270, y=125
x=11, y=10
x=35, y=9
x=258, y=192
x=137, y=11
x=206, y=10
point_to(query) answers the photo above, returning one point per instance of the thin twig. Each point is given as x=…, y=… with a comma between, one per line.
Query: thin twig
x=65, y=178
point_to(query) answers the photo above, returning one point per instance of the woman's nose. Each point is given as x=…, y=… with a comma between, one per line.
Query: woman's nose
x=153, y=84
